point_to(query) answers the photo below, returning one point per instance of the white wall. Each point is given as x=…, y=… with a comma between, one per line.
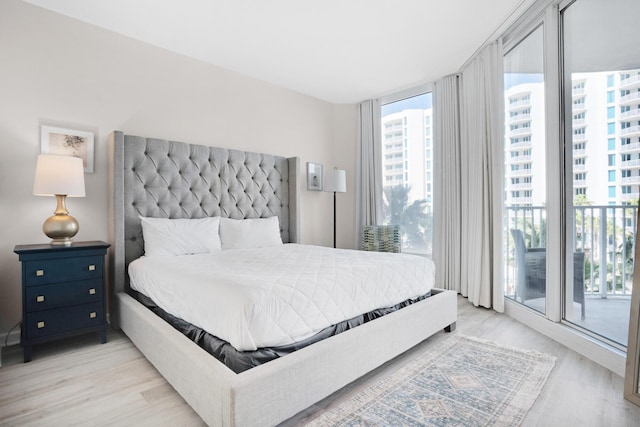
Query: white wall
x=55, y=70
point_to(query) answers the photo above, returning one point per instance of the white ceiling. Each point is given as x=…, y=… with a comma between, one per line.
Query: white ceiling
x=341, y=51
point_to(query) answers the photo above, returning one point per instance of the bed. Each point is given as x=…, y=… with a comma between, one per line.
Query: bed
x=168, y=179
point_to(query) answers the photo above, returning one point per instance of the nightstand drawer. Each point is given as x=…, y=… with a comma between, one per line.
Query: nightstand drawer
x=62, y=320
x=40, y=272
x=45, y=297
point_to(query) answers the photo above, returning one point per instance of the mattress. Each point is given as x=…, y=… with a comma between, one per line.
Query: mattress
x=277, y=296
x=240, y=361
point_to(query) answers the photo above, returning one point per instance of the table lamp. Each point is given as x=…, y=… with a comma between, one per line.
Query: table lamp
x=60, y=176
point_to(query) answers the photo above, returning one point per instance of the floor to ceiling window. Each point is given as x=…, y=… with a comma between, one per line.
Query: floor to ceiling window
x=572, y=163
x=602, y=142
x=407, y=170
x=525, y=173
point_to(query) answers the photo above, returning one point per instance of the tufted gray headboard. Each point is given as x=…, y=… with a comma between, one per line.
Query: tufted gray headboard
x=165, y=179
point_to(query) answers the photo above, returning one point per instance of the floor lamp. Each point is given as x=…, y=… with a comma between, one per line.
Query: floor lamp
x=335, y=181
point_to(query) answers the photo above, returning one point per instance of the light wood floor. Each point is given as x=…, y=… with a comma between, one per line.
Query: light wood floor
x=81, y=382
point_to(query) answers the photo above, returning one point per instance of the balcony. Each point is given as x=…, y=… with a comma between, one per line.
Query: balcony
x=520, y=172
x=520, y=131
x=633, y=96
x=523, y=186
x=631, y=114
x=519, y=104
x=630, y=82
x=578, y=107
x=519, y=118
x=606, y=236
x=634, y=146
x=525, y=158
x=578, y=91
x=628, y=197
x=635, y=163
x=630, y=179
x=520, y=200
x=630, y=130
x=520, y=144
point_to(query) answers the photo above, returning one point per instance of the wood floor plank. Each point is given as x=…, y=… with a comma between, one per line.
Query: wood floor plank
x=81, y=382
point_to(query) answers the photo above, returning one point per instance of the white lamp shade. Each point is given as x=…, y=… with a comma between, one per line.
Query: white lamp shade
x=335, y=180
x=62, y=175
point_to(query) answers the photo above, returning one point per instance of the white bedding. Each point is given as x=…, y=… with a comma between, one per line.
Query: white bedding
x=275, y=296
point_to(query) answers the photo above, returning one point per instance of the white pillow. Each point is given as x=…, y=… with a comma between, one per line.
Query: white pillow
x=167, y=237
x=250, y=233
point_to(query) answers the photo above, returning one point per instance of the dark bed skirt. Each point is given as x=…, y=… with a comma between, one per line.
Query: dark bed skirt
x=239, y=361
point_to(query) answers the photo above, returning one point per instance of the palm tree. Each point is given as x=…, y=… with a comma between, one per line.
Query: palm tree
x=413, y=218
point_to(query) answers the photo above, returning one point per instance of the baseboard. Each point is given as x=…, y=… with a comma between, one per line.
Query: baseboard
x=604, y=355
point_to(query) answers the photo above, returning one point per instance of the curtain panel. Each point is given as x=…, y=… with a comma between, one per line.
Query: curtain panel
x=369, y=168
x=447, y=192
x=481, y=161
x=468, y=200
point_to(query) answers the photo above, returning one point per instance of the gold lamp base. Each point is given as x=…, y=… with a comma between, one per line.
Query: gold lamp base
x=61, y=227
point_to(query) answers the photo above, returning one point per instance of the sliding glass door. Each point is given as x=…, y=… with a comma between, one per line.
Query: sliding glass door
x=602, y=170
x=525, y=196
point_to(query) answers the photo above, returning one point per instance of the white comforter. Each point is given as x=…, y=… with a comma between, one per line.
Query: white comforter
x=274, y=296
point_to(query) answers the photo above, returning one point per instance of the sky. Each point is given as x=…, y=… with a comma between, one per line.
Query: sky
x=419, y=102
x=425, y=101
x=513, y=79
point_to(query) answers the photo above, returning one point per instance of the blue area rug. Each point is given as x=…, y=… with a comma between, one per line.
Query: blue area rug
x=461, y=381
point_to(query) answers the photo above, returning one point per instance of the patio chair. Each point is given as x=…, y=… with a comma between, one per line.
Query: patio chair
x=531, y=272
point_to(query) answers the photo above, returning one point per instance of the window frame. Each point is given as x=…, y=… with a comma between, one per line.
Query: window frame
x=414, y=91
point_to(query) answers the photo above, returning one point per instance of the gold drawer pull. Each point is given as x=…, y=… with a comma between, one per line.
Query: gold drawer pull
x=92, y=291
x=39, y=273
x=92, y=315
x=92, y=267
x=40, y=325
x=40, y=298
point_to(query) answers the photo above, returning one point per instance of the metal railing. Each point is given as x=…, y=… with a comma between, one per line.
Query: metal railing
x=606, y=235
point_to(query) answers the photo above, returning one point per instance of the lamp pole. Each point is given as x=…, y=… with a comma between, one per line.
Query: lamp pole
x=334, y=219
x=335, y=182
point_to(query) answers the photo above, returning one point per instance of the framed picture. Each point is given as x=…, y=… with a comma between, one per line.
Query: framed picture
x=68, y=142
x=314, y=176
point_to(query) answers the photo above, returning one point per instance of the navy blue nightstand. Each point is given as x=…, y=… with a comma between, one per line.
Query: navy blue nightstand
x=63, y=292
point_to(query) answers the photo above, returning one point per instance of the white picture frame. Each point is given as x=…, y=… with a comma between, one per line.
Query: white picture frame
x=68, y=142
x=314, y=176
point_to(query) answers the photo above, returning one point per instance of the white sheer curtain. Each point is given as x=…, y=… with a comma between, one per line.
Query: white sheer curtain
x=481, y=161
x=447, y=245
x=369, y=168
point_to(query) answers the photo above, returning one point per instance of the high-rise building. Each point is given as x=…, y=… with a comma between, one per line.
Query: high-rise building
x=525, y=145
x=605, y=117
x=407, y=152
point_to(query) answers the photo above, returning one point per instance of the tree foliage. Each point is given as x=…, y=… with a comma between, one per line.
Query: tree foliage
x=413, y=218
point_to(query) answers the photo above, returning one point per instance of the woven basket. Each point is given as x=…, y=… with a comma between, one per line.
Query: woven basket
x=381, y=238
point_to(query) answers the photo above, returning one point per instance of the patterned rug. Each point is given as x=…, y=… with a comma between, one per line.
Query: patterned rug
x=461, y=381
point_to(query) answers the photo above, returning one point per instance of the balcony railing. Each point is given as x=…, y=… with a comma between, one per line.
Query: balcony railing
x=630, y=114
x=634, y=146
x=630, y=130
x=606, y=235
x=629, y=81
x=630, y=97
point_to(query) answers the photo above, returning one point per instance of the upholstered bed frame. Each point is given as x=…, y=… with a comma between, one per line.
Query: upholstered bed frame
x=159, y=178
